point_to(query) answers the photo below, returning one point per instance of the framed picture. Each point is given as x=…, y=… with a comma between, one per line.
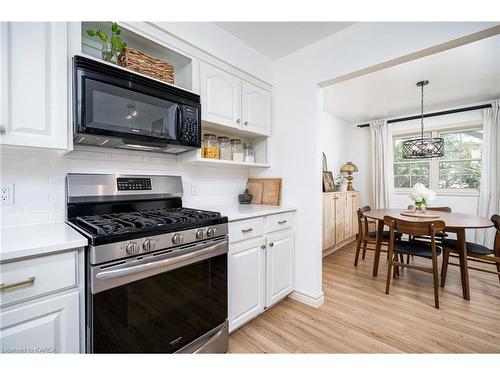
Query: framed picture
x=328, y=183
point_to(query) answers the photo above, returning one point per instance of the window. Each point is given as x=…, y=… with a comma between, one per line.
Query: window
x=458, y=169
x=408, y=172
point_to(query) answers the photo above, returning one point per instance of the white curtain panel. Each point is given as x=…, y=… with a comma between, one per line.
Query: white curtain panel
x=489, y=192
x=382, y=163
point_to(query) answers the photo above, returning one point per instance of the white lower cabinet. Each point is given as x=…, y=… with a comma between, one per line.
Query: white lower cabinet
x=50, y=325
x=260, y=270
x=279, y=266
x=247, y=289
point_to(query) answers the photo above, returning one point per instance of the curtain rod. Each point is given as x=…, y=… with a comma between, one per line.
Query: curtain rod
x=416, y=117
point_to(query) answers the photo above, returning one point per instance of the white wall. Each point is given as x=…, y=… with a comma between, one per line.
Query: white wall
x=342, y=142
x=39, y=177
x=223, y=45
x=297, y=107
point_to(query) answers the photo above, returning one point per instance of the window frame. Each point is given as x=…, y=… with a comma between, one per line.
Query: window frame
x=434, y=162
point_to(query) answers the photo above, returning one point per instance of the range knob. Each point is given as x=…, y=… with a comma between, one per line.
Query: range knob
x=199, y=234
x=211, y=231
x=148, y=245
x=132, y=248
x=178, y=239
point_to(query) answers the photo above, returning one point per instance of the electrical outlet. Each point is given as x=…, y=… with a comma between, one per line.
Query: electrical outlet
x=194, y=189
x=7, y=194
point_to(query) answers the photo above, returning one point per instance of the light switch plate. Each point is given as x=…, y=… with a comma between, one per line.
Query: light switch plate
x=7, y=194
x=194, y=189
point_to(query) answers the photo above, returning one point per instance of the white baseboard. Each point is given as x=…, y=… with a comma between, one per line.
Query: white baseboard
x=308, y=299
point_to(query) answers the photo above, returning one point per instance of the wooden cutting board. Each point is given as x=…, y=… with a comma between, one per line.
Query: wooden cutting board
x=267, y=190
x=255, y=188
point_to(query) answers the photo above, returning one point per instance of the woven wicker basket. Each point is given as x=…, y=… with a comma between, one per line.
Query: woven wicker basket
x=147, y=65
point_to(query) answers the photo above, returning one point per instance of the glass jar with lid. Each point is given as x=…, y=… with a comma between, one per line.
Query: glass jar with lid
x=211, y=146
x=224, y=148
x=248, y=153
x=237, y=150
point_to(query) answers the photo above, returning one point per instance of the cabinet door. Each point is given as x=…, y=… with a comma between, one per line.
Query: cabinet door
x=340, y=209
x=50, y=325
x=348, y=215
x=354, y=215
x=220, y=96
x=246, y=283
x=256, y=109
x=279, y=266
x=34, y=95
x=328, y=221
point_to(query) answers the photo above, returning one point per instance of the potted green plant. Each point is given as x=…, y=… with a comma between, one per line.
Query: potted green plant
x=112, y=45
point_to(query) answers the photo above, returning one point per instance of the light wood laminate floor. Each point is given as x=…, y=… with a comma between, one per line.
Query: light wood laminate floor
x=358, y=317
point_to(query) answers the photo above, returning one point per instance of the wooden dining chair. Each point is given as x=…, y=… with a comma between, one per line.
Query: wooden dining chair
x=439, y=236
x=427, y=250
x=475, y=253
x=367, y=237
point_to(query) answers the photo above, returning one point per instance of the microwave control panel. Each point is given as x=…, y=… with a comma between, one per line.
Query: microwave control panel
x=191, y=126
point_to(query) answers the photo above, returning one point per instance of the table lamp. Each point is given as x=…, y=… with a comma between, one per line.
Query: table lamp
x=349, y=168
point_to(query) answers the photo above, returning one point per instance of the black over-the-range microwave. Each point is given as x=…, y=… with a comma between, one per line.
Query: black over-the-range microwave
x=117, y=108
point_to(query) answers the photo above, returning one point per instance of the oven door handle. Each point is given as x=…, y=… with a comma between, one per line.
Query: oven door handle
x=169, y=263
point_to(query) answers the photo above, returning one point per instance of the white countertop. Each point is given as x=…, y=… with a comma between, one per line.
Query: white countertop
x=36, y=239
x=245, y=211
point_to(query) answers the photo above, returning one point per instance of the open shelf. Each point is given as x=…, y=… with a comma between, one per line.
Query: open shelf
x=194, y=157
x=182, y=64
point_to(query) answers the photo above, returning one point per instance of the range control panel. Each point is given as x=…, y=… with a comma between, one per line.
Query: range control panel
x=135, y=183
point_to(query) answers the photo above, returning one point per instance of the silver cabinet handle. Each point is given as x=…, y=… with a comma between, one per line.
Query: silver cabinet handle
x=271, y=244
x=247, y=230
x=28, y=281
x=238, y=121
x=282, y=222
x=246, y=122
x=2, y=130
x=262, y=247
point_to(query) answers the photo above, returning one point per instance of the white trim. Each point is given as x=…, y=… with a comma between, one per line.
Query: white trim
x=308, y=299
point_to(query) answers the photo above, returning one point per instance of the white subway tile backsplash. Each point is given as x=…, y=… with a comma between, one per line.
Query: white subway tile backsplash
x=39, y=177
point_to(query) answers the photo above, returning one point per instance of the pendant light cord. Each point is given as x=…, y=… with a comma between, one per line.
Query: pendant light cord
x=422, y=114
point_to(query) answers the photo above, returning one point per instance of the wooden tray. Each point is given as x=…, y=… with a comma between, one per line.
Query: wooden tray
x=426, y=215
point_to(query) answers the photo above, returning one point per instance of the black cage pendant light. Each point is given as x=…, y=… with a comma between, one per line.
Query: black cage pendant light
x=423, y=148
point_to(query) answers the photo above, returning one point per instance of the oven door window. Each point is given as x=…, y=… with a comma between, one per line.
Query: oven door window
x=161, y=313
x=112, y=109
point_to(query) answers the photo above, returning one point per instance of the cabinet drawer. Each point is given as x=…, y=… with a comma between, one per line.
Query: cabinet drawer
x=37, y=276
x=245, y=229
x=279, y=221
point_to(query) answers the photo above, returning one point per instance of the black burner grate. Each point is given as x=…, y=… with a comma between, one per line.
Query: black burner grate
x=118, y=223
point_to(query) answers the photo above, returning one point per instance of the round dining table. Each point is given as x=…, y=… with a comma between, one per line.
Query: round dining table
x=455, y=222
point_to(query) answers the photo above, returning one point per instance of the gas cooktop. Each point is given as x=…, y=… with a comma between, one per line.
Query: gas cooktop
x=114, y=226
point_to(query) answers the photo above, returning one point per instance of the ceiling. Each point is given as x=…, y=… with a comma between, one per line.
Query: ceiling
x=278, y=39
x=459, y=76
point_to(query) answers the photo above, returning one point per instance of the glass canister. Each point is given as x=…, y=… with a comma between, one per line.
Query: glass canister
x=211, y=146
x=237, y=150
x=224, y=148
x=248, y=153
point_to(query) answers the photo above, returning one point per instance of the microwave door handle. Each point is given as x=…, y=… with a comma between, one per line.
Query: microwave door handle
x=170, y=263
x=179, y=115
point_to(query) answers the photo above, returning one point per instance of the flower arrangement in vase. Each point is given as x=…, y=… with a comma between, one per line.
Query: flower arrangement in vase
x=421, y=196
x=112, y=45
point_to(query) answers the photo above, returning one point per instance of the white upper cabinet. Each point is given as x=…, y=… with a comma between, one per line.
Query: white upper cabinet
x=220, y=96
x=34, y=87
x=230, y=101
x=256, y=109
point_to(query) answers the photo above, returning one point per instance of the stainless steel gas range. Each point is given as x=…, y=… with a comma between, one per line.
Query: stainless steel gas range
x=156, y=272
